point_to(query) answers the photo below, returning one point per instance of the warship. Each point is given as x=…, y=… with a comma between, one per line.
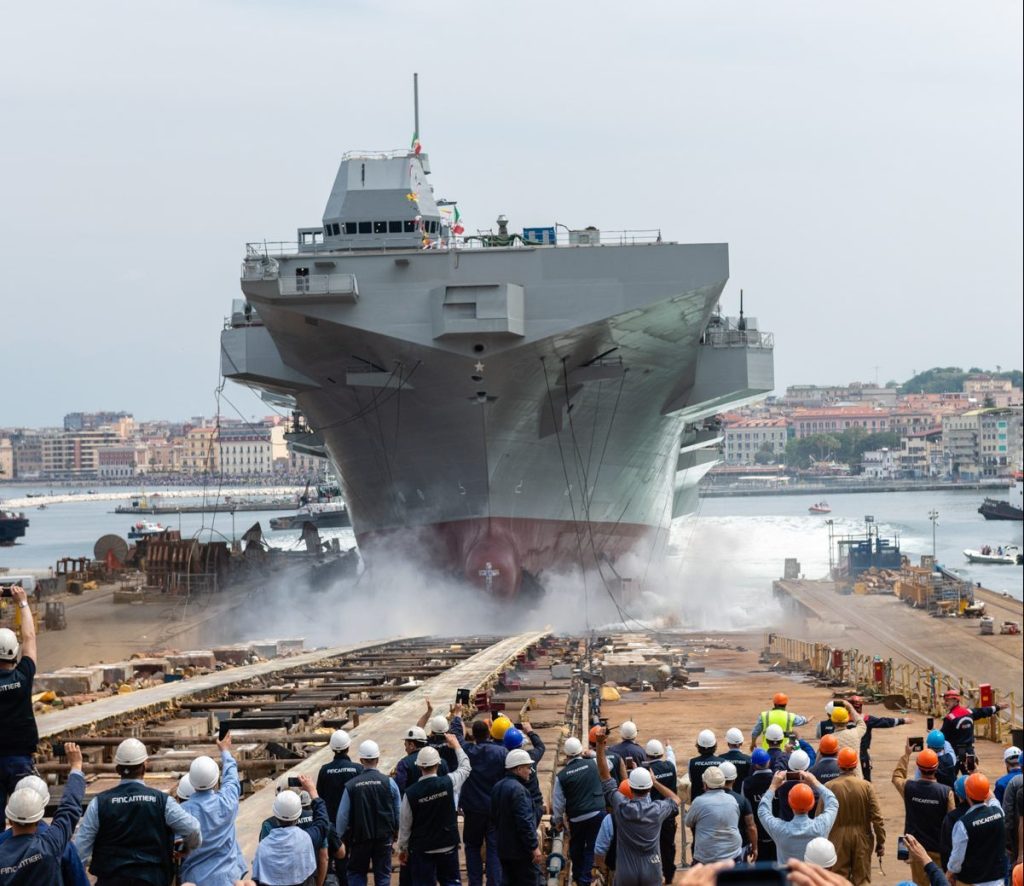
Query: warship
x=505, y=404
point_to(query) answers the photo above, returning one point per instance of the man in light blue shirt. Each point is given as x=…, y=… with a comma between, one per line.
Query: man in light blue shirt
x=714, y=818
x=287, y=855
x=219, y=861
x=791, y=837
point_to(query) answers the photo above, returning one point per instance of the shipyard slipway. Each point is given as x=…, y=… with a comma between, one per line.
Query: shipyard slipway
x=503, y=404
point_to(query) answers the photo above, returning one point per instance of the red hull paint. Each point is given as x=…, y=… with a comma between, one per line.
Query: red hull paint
x=509, y=544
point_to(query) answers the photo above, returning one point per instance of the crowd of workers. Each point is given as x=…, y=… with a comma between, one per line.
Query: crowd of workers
x=811, y=810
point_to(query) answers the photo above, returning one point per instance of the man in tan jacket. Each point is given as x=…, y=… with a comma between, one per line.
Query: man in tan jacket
x=850, y=728
x=859, y=826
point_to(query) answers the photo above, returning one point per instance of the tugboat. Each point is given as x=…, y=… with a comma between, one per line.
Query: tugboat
x=12, y=526
x=996, y=509
x=820, y=507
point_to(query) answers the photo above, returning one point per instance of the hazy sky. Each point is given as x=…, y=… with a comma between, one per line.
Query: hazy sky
x=862, y=160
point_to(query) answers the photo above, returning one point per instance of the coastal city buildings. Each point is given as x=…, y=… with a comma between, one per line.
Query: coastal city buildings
x=859, y=429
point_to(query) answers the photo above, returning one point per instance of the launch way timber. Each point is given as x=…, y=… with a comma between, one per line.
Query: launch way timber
x=505, y=405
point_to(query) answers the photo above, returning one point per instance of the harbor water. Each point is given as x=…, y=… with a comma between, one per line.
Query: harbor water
x=725, y=555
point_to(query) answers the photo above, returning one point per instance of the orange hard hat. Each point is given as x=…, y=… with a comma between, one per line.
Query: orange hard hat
x=847, y=758
x=625, y=789
x=780, y=698
x=801, y=798
x=927, y=760
x=1018, y=874
x=595, y=731
x=829, y=745
x=977, y=787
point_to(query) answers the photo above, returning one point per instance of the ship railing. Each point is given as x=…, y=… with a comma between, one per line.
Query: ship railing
x=397, y=154
x=738, y=338
x=319, y=284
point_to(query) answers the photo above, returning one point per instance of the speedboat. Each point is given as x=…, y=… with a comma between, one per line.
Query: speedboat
x=145, y=529
x=1001, y=555
x=820, y=507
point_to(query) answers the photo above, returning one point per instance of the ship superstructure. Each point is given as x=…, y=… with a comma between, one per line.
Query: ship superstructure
x=507, y=404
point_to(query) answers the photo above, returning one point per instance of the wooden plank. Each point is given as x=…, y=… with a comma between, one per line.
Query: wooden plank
x=388, y=727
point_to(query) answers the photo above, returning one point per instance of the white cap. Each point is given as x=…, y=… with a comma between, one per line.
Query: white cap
x=829, y=708
x=728, y=770
x=774, y=733
x=203, y=773
x=820, y=851
x=25, y=806
x=428, y=758
x=655, y=748
x=438, y=725
x=734, y=736
x=185, y=788
x=34, y=783
x=628, y=730
x=1011, y=753
x=713, y=777
x=416, y=733
x=131, y=752
x=799, y=761
x=287, y=806
x=706, y=739
x=305, y=799
x=8, y=645
x=518, y=757
x=340, y=740
x=369, y=750
x=573, y=747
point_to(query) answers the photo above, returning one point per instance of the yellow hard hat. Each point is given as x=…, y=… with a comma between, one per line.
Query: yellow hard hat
x=840, y=715
x=499, y=727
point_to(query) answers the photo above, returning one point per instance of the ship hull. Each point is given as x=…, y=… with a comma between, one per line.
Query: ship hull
x=549, y=446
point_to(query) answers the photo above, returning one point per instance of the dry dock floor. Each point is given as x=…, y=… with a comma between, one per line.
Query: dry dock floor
x=882, y=625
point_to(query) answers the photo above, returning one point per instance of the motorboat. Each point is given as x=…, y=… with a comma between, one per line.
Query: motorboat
x=1000, y=555
x=145, y=529
x=820, y=507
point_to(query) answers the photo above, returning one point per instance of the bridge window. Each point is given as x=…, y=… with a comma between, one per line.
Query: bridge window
x=351, y=228
x=380, y=227
x=410, y=226
x=365, y=228
x=394, y=227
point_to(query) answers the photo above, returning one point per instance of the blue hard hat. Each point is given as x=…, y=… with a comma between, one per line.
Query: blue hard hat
x=960, y=787
x=513, y=739
x=760, y=757
x=936, y=740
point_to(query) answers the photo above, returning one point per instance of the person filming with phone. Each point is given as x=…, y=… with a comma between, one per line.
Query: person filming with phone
x=791, y=837
x=19, y=735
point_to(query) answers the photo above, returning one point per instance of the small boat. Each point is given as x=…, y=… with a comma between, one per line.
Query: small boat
x=1001, y=555
x=333, y=514
x=40, y=507
x=820, y=507
x=145, y=529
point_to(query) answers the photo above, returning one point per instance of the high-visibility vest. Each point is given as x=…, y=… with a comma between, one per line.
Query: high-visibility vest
x=776, y=716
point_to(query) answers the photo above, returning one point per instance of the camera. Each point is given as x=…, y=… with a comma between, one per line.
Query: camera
x=792, y=776
x=6, y=590
x=757, y=874
x=916, y=742
x=462, y=696
x=293, y=782
x=902, y=852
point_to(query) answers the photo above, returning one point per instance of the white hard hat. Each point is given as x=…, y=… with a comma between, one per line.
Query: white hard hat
x=799, y=761
x=829, y=708
x=728, y=770
x=25, y=806
x=305, y=799
x=428, y=758
x=1011, y=753
x=774, y=733
x=340, y=740
x=573, y=747
x=34, y=783
x=369, y=750
x=203, y=773
x=438, y=725
x=820, y=851
x=655, y=748
x=640, y=779
x=185, y=788
x=706, y=739
x=628, y=730
x=130, y=752
x=287, y=806
x=518, y=757
x=713, y=777
x=734, y=736
x=8, y=645
x=416, y=733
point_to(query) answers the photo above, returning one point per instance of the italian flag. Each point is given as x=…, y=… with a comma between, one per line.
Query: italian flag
x=415, y=146
x=457, y=227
